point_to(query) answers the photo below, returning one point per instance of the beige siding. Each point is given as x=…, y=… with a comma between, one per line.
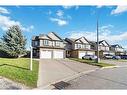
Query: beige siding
x=81, y=46
x=53, y=44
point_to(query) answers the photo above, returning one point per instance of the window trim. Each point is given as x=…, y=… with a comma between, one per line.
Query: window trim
x=45, y=42
x=57, y=43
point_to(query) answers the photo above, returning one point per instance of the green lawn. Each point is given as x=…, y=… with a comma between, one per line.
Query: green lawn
x=122, y=60
x=18, y=70
x=92, y=62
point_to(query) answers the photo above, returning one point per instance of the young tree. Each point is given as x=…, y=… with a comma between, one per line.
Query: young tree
x=13, y=42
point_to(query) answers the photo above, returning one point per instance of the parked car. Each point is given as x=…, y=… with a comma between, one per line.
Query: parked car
x=123, y=56
x=116, y=57
x=109, y=56
x=90, y=57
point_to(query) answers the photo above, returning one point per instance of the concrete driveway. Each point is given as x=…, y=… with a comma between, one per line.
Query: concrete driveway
x=51, y=71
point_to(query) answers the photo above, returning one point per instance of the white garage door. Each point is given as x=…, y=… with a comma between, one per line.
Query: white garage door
x=46, y=54
x=90, y=53
x=81, y=54
x=112, y=53
x=58, y=54
x=105, y=52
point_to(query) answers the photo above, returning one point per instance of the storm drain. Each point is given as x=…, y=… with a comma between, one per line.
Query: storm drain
x=61, y=85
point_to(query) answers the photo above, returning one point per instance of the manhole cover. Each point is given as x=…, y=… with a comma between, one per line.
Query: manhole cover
x=61, y=85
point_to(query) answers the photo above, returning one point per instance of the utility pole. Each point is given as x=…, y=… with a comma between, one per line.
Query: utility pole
x=31, y=58
x=98, y=59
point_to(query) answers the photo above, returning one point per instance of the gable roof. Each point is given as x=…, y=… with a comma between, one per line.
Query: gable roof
x=116, y=46
x=35, y=38
x=44, y=36
x=71, y=40
x=92, y=42
x=54, y=36
x=101, y=42
x=49, y=36
x=80, y=39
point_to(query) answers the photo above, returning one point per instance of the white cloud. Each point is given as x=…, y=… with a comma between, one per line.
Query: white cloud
x=107, y=6
x=67, y=7
x=78, y=34
x=60, y=22
x=4, y=11
x=99, y=6
x=6, y=22
x=28, y=29
x=60, y=18
x=76, y=7
x=60, y=13
x=119, y=9
x=71, y=6
x=104, y=34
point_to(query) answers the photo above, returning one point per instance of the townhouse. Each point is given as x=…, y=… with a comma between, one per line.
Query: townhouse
x=117, y=49
x=104, y=48
x=48, y=46
x=51, y=46
x=77, y=48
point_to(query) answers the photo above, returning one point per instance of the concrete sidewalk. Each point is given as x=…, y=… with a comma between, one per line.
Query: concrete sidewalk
x=115, y=62
x=51, y=71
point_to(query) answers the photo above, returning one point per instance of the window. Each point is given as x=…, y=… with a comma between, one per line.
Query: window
x=87, y=46
x=76, y=46
x=83, y=46
x=79, y=45
x=36, y=43
x=45, y=42
x=107, y=48
x=57, y=43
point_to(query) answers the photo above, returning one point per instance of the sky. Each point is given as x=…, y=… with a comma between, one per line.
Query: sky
x=68, y=22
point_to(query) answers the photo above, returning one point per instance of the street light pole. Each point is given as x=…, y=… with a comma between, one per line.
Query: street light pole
x=98, y=59
x=31, y=55
x=97, y=43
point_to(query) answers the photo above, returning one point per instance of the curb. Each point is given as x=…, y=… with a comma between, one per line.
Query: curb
x=50, y=86
x=109, y=67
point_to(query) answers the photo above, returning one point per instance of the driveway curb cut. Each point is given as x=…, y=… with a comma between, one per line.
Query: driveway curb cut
x=50, y=86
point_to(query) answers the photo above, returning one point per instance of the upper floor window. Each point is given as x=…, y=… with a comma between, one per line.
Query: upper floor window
x=76, y=45
x=79, y=46
x=45, y=42
x=57, y=43
x=83, y=46
x=87, y=46
x=35, y=43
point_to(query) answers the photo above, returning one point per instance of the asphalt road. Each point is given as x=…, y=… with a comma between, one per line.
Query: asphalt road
x=115, y=78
